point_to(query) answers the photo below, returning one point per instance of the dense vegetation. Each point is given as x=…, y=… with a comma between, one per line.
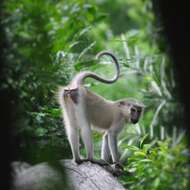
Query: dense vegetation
x=49, y=41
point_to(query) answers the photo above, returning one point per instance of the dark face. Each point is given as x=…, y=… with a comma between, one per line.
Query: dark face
x=135, y=114
x=131, y=110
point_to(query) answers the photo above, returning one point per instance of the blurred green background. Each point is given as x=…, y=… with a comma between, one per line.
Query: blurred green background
x=49, y=41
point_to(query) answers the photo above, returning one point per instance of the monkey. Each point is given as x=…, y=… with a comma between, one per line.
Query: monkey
x=84, y=110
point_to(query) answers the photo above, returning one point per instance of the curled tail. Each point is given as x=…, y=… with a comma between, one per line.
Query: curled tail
x=80, y=77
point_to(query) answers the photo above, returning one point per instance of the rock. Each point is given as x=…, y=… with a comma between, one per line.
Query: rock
x=63, y=175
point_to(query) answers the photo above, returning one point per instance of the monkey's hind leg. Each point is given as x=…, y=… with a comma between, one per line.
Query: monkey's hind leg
x=72, y=130
x=84, y=125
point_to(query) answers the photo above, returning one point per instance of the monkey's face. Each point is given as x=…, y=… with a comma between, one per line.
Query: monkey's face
x=131, y=110
x=135, y=113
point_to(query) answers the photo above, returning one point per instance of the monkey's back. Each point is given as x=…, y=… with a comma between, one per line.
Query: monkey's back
x=99, y=110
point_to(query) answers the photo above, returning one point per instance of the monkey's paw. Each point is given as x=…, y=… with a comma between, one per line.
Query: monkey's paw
x=117, y=165
x=100, y=162
x=78, y=161
x=94, y=161
x=117, y=169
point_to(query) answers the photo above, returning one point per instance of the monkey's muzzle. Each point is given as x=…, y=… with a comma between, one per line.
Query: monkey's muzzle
x=134, y=121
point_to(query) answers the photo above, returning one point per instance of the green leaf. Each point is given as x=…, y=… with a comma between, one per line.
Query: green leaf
x=40, y=132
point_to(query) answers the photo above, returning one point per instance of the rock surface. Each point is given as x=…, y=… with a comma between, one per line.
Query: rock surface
x=44, y=176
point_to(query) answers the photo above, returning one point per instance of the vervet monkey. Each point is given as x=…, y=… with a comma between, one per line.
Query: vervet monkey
x=84, y=110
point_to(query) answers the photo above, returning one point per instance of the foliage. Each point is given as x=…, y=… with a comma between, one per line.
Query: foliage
x=40, y=38
x=157, y=165
x=49, y=41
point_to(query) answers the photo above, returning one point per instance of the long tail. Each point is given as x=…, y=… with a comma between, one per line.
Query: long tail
x=80, y=77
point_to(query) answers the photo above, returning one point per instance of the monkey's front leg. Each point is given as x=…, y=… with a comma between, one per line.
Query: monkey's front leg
x=112, y=141
x=105, y=151
x=99, y=162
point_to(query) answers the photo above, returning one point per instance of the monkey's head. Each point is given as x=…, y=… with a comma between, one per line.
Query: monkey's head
x=131, y=110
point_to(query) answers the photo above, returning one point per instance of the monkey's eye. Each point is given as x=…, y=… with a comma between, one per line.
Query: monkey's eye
x=133, y=109
x=122, y=103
